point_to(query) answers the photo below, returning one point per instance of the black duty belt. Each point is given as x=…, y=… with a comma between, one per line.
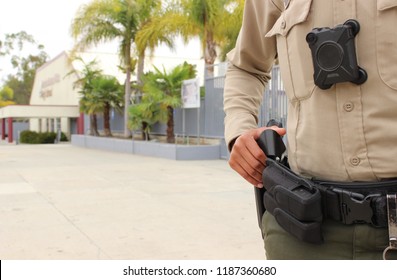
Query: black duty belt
x=300, y=205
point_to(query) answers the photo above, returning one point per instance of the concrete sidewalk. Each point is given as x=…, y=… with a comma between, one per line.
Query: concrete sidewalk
x=64, y=202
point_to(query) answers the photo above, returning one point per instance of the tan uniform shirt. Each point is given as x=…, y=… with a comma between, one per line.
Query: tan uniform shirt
x=345, y=133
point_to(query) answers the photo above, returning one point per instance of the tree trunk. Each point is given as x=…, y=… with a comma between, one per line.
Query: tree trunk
x=140, y=70
x=106, y=120
x=93, y=125
x=170, y=125
x=127, y=91
x=145, y=131
x=139, y=74
x=210, y=54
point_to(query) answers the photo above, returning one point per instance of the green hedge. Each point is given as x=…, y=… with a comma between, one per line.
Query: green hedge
x=33, y=137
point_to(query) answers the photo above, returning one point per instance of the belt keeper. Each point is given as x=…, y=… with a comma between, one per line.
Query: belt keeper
x=390, y=253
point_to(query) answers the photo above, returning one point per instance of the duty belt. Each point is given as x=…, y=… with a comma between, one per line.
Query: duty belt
x=300, y=205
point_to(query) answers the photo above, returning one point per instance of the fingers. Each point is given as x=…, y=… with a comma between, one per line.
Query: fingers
x=280, y=130
x=247, y=159
x=257, y=132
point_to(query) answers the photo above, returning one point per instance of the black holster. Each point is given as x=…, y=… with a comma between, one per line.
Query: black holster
x=293, y=201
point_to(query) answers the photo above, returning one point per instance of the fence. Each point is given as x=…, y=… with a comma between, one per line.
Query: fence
x=274, y=106
x=275, y=101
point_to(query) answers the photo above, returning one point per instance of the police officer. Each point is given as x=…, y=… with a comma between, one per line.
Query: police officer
x=347, y=132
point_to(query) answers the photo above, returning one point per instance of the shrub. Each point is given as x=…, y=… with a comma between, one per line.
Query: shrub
x=47, y=137
x=33, y=137
x=64, y=138
x=30, y=137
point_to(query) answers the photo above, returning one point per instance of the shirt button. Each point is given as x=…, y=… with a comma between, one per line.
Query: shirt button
x=283, y=24
x=355, y=161
x=348, y=106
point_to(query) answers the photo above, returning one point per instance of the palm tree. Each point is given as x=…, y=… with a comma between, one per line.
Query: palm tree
x=147, y=111
x=158, y=29
x=215, y=22
x=85, y=84
x=231, y=27
x=109, y=20
x=164, y=90
x=88, y=105
x=99, y=93
x=106, y=93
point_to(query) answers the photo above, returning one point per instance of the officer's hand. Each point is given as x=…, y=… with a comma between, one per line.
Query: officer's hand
x=247, y=158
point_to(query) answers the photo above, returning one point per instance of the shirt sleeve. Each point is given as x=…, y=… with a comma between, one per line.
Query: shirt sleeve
x=250, y=63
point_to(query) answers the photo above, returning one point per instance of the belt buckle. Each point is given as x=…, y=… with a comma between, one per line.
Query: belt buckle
x=354, y=207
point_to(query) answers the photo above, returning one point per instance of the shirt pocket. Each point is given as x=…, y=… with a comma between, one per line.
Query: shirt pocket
x=386, y=41
x=294, y=54
x=296, y=12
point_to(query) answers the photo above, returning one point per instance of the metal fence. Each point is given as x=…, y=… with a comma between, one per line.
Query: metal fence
x=214, y=86
x=274, y=104
x=275, y=101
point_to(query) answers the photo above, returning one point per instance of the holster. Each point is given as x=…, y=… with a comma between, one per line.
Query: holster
x=293, y=201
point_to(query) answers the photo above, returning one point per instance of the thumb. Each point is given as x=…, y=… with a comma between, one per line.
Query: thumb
x=280, y=130
x=257, y=132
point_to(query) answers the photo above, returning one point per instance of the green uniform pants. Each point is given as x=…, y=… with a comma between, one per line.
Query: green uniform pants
x=343, y=242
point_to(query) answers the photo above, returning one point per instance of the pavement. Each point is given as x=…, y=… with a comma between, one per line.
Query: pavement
x=61, y=202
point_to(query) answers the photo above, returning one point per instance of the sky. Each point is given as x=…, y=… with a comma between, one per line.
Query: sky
x=48, y=21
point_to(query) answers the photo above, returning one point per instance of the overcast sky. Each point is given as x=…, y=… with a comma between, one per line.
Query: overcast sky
x=48, y=21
